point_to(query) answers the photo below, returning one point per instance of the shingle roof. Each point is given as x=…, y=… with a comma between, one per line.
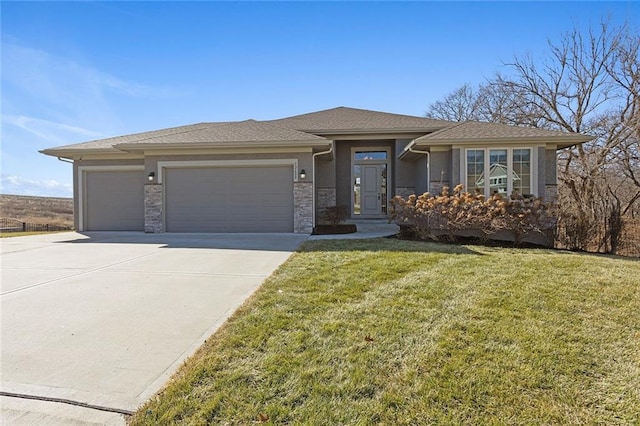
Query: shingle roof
x=201, y=133
x=231, y=132
x=108, y=143
x=476, y=130
x=353, y=119
x=305, y=128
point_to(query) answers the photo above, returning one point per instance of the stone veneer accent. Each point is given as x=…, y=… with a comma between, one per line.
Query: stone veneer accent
x=404, y=192
x=551, y=193
x=326, y=197
x=435, y=188
x=303, y=207
x=153, y=208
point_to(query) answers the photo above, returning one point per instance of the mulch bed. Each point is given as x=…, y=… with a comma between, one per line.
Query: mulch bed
x=342, y=228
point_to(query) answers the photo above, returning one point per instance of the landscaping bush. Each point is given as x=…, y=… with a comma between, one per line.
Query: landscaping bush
x=335, y=215
x=462, y=213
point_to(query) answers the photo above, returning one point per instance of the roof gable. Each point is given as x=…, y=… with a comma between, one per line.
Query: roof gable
x=353, y=119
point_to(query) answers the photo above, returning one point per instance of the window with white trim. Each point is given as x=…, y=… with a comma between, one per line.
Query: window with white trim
x=499, y=170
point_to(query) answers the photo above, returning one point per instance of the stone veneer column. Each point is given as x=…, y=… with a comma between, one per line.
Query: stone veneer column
x=550, y=193
x=435, y=188
x=153, y=208
x=303, y=207
x=404, y=192
x=326, y=197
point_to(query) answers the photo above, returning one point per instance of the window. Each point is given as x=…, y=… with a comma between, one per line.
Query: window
x=508, y=171
x=475, y=170
x=370, y=155
x=522, y=171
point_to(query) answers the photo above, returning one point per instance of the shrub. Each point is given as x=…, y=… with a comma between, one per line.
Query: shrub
x=335, y=215
x=432, y=217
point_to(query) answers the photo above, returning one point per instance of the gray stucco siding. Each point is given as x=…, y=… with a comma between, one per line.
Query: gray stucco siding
x=325, y=173
x=405, y=171
x=456, y=173
x=440, y=168
x=304, y=159
x=420, y=174
x=551, y=166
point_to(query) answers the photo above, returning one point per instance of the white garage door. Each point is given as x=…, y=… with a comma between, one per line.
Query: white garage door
x=114, y=201
x=229, y=199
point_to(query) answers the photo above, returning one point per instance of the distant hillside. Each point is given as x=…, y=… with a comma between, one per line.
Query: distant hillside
x=51, y=210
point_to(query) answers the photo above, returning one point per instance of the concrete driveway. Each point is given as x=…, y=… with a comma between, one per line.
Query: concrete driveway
x=105, y=318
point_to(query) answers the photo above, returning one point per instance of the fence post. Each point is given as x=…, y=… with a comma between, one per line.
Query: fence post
x=24, y=226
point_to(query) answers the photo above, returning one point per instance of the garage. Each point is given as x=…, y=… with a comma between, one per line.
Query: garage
x=229, y=199
x=114, y=200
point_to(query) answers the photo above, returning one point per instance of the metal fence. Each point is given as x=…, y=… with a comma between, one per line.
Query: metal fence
x=628, y=245
x=12, y=225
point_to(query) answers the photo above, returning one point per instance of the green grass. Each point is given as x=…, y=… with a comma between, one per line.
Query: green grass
x=397, y=332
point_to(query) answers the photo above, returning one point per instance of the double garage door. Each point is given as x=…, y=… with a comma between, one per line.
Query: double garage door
x=212, y=199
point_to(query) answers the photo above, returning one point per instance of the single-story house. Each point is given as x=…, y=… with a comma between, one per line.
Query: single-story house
x=277, y=175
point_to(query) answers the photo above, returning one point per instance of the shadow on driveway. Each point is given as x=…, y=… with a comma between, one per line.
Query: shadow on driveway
x=262, y=241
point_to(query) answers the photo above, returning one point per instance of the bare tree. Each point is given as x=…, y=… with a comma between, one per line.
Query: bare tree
x=589, y=83
x=459, y=105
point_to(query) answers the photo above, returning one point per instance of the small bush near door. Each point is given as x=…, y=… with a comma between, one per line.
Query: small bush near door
x=334, y=215
x=332, y=219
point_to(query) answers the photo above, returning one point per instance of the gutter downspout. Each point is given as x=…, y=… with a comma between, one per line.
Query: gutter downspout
x=313, y=186
x=409, y=148
x=64, y=160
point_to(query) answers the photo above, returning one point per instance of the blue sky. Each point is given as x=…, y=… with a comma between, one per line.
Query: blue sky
x=73, y=72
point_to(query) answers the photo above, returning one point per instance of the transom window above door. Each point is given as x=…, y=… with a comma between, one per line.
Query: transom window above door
x=370, y=155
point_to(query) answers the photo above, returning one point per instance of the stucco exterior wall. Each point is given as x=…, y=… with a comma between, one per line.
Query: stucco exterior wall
x=456, y=174
x=551, y=166
x=325, y=181
x=405, y=171
x=541, y=172
x=304, y=159
x=420, y=174
x=440, y=170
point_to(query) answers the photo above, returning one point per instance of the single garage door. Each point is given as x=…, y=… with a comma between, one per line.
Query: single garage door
x=229, y=199
x=114, y=201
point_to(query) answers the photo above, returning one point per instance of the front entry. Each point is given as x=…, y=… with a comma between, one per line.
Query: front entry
x=370, y=183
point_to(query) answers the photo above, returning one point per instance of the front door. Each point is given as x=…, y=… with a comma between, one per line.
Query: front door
x=371, y=189
x=370, y=184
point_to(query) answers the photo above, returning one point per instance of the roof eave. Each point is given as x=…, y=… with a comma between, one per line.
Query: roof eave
x=567, y=140
x=75, y=152
x=131, y=147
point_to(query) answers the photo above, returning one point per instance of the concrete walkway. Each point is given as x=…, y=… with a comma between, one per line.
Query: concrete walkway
x=106, y=318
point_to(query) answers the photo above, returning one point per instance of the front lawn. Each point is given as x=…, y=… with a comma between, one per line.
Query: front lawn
x=399, y=332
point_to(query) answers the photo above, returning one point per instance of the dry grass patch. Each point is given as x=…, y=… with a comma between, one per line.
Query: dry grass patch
x=401, y=332
x=51, y=210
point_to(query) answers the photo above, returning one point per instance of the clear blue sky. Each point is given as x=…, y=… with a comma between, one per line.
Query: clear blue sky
x=73, y=72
